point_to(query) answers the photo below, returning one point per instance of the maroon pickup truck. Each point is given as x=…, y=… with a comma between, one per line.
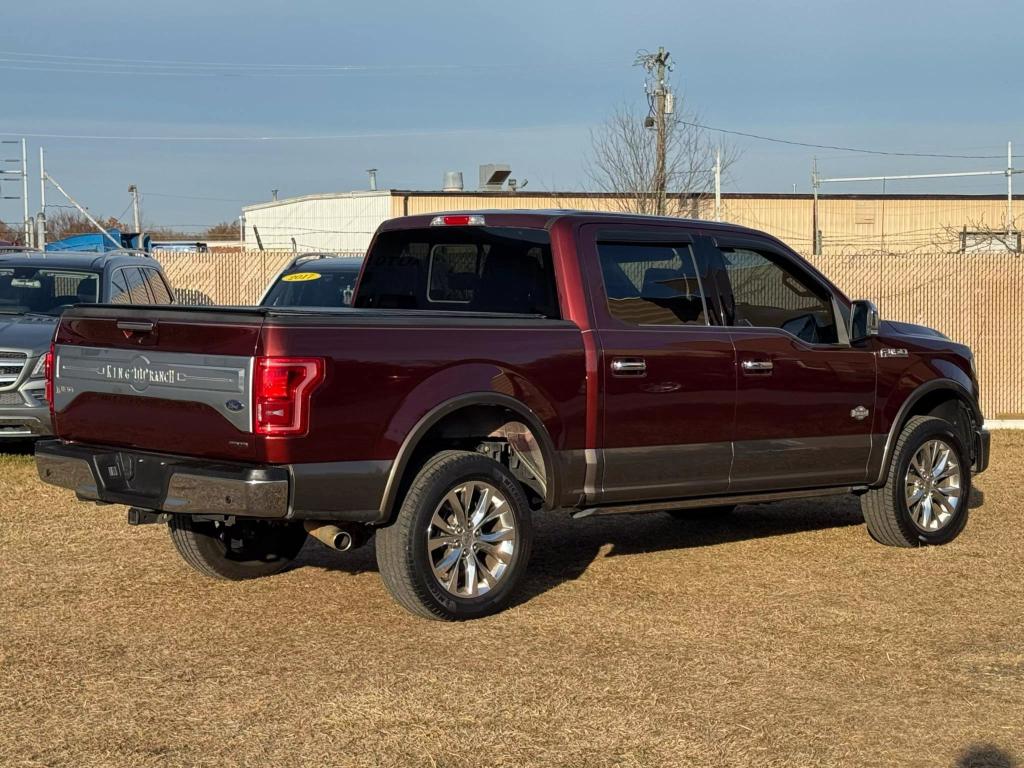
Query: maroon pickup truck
x=500, y=364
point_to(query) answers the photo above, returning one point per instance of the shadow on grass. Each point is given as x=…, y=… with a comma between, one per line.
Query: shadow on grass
x=986, y=756
x=17, y=447
x=564, y=548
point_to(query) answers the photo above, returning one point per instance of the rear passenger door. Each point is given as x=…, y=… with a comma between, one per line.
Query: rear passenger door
x=805, y=397
x=666, y=372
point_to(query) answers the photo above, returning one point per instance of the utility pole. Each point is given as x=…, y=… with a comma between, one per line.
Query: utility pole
x=662, y=104
x=718, y=183
x=136, y=218
x=1009, y=193
x=41, y=216
x=815, y=183
x=29, y=228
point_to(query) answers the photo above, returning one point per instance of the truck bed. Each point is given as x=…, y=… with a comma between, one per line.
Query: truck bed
x=178, y=380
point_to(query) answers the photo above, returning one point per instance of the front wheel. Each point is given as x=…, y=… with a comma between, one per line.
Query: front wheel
x=246, y=549
x=461, y=541
x=924, y=499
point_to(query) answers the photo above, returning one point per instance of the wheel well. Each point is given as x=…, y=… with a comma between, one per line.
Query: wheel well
x=494, y=430
x=948, y=405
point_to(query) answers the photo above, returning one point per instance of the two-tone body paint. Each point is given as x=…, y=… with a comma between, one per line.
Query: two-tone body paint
x=672, y=434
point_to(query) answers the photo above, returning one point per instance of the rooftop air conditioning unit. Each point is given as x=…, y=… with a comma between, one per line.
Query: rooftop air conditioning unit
x=493, y=175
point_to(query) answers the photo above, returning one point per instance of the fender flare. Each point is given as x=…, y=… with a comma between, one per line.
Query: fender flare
x=956, y=388
x=432, y=417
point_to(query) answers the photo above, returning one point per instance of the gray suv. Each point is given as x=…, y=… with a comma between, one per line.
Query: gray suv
x=35, y=287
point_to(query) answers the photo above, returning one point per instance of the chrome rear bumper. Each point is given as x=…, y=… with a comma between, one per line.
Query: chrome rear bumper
x=164, y=483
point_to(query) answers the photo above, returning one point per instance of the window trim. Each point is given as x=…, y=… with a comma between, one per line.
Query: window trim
x=644, y=238
x=776, y=255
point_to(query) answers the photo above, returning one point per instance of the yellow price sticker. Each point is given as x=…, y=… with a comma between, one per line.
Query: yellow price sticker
x=301, y=277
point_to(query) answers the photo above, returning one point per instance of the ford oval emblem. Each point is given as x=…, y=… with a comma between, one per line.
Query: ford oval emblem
x=234, y=405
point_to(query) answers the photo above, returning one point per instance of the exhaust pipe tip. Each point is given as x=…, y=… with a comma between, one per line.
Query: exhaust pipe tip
x=333, y=536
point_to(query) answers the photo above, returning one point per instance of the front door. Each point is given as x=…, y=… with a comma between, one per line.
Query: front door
x=667, y=374
x=805, y=397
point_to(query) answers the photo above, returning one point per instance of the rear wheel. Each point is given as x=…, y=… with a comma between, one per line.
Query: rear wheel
x=461, y=541
x=924, y=499
x=245, y=549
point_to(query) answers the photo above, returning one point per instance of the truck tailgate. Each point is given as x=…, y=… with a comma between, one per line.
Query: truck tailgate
x=170, y=379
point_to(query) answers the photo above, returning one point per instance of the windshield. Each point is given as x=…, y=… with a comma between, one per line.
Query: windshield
x=311, y=288
x=25, y=290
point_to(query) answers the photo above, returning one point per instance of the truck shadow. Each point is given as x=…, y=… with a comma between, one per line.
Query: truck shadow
x=986, y=756
x=564, y=548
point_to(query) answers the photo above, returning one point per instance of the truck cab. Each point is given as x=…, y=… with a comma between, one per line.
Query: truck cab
x=501, y=364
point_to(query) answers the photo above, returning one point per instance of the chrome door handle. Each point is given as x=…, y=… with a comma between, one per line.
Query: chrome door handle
x=629, y=366
x=758, y=366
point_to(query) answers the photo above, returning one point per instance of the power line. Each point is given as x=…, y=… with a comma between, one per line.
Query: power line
x=199, y=197
x=795, y=143
x=326, y=137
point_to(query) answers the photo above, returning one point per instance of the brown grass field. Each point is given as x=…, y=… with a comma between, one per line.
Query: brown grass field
x=779, y=636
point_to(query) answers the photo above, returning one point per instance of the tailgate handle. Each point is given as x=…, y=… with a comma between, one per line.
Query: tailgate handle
x=136, y=326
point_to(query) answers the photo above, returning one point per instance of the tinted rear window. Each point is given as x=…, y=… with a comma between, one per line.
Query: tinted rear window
x=306, y=286
x=477, y=269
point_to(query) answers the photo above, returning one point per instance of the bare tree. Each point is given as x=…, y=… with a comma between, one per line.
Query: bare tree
x=623, y=159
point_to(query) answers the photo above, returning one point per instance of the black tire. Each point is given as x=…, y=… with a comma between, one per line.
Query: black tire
x=709, y=513
x=402, y=552
x=246, y=550
x=885, y=509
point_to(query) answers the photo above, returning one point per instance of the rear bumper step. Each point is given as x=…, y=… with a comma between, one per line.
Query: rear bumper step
x=164, y=483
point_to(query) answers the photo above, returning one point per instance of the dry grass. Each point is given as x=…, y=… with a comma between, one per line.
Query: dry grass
x=779, y=637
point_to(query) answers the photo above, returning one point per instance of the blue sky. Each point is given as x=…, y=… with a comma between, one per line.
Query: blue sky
x=451, y=85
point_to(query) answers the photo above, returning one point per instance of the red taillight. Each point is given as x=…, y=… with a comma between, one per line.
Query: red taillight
x=48, y=375
x=458, y=220
x=281, y=390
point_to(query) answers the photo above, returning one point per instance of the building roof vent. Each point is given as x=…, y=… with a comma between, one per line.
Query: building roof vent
x=452, y=181
x=493, y=175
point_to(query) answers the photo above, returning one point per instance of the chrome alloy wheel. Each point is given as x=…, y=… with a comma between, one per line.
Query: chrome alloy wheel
x=932, y=486
x=471, y=539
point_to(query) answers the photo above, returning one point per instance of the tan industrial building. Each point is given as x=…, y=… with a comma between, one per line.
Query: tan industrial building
x=847, y=224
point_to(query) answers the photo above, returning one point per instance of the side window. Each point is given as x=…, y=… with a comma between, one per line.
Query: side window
x=137, y=293
x=119, y=288
x=157, y=287
x=768, y=294
x=650, y=284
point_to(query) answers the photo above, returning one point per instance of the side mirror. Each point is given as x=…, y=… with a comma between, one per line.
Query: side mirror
x=864, y=320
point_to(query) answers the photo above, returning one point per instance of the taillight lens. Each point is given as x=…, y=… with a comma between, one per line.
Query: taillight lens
x=48, y=372
x=281, y=390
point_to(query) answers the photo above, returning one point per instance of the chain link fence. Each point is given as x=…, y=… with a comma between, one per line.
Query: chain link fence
x=974, y=298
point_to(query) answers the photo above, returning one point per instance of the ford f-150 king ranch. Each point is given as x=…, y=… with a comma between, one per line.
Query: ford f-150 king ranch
x=498, y=364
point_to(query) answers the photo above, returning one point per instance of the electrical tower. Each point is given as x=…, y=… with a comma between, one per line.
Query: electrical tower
x=21, y=172
x=661, y=102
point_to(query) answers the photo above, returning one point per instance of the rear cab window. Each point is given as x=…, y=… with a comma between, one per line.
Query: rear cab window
x=472, y=268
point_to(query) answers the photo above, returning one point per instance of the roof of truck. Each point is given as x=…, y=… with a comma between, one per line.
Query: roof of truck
x=73, y=259
x=544, y=217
